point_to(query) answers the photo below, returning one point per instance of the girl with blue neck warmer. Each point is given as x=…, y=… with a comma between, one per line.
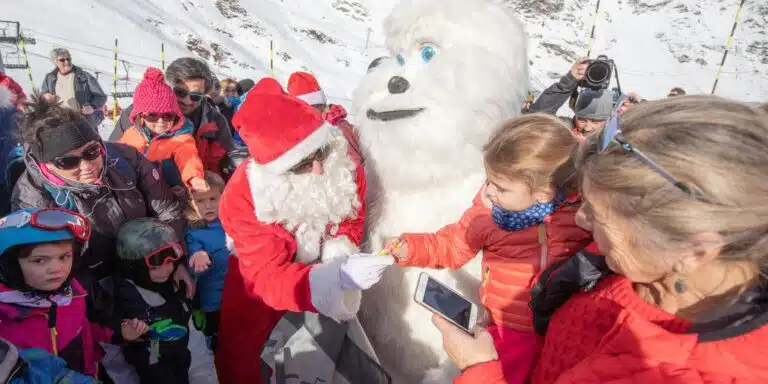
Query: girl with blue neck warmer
x=523, y=219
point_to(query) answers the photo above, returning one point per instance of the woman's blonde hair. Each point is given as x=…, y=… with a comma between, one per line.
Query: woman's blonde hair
x=535, y=149
x=717, y=147
x=226, y=83
x=190, y=213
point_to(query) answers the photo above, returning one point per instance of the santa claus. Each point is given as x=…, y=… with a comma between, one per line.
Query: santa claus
x=294, y=212
x=457, y=69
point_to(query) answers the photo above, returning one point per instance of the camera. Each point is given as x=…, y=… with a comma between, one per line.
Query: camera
x=598, y=73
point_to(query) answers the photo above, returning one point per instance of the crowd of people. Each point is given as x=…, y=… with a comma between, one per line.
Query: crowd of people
x=626, y=244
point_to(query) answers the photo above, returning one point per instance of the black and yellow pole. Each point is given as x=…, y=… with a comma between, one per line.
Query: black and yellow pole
x=114, y=87
x=728, y=46
x=592, y=34
x=26, y=62
x=162, y=54
x=271, y=60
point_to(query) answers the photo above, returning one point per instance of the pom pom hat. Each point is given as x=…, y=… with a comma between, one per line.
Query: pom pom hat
x=305, y=87
x=153, y=95
x=279, y=130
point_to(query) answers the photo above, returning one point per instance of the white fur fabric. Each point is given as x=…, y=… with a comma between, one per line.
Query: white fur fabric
x=424, y=170
x=6, y=97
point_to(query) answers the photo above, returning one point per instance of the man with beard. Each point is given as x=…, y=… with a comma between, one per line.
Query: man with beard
x=294, y=212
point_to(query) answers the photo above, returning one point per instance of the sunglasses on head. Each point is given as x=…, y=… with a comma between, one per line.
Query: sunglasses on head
x=612, y=134
x=155, y=117
x=66, y=163
x=306, y=165
x=194, y=96
x=166, y=254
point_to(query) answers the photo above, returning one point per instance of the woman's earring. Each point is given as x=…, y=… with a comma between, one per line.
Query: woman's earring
x=680, y=286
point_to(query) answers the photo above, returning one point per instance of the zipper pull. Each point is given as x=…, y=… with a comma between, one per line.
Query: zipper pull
x=52, y=327
x=154, y=351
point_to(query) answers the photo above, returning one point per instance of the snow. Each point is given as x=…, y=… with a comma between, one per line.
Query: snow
x=645, y=37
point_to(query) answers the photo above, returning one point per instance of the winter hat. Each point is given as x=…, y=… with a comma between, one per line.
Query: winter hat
x=153, y=95
x=244, y=85
x=279, y=130
x=594, y=104
x=56, y=140
x=305, y=87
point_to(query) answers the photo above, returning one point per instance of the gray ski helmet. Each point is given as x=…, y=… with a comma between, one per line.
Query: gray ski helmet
x=141, y=237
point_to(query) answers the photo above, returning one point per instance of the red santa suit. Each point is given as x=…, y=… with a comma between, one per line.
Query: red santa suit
x=290, y=231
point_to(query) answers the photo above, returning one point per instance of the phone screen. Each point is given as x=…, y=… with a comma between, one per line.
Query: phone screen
x=448, y=303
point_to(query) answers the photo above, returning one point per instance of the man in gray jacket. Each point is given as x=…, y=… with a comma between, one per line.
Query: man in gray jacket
x=75, y=88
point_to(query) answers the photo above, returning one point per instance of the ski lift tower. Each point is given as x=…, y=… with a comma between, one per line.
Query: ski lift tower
x=13, y=42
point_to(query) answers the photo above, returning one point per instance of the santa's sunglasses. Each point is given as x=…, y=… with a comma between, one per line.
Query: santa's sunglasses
x=612, y=134
x=155, y=117
x=306, y=165
x=67, y=163
x=193, y=96
x=166, y=254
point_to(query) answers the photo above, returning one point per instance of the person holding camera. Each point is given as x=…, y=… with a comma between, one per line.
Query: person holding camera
x=557, y=94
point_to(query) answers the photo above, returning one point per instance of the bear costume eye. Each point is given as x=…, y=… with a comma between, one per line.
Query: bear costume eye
x=400, y=60
x=428, y=52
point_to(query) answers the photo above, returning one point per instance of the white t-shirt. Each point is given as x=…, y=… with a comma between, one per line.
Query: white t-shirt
x=65, y=90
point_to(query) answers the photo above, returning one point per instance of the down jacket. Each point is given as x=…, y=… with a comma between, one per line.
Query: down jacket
x=131, y=188
x=511, y=260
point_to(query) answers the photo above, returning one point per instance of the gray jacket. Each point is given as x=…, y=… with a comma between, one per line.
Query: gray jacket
x=87, y=91
x=131, y=188
x=555, y=96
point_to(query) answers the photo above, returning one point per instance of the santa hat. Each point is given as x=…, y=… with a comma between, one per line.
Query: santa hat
x=305, y=87
x=153, y=95
x=279, y=130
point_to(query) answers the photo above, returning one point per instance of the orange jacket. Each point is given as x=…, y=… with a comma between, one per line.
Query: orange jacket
x=611, y=335
x=178, y=146
x=511, y=260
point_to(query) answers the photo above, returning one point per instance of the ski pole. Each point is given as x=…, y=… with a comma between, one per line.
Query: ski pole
x=26, y=62
x=727, y=46
x=271, y=60
x=162, y=55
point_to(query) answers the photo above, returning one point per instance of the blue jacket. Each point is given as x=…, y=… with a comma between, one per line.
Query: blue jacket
x=44, y=368
x=9, y=149
x=210, y=283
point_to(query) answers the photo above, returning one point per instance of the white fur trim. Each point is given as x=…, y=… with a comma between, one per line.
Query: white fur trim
x=314, y=98
x=321, y=136
x=340, y=246
x=327, y=295
x=5, y=97
x=230, y=243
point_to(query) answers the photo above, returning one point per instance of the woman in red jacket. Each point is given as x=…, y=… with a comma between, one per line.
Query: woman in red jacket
x=676, y=194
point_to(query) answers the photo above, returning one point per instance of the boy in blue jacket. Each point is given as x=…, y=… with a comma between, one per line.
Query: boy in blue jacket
x=207, y=245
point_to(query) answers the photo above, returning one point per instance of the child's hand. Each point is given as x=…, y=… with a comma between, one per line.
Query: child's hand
x=199, y=185
x=133, y=329
x=200, y=261
x=396, y=247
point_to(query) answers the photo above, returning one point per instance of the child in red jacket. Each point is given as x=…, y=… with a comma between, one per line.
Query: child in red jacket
x=522, y=220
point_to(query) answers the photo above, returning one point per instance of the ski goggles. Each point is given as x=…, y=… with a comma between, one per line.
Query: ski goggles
x=51, y=219
x=155, y=117
x=612, y=134
x=194, y=96
x=67, y=163
x=166, y=254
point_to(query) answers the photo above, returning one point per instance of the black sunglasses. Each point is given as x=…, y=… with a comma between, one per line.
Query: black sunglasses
x=65, y=60
x=155, y=117
x=71, y=162
x=612, y=134
x=194, y=96
x=306, y=165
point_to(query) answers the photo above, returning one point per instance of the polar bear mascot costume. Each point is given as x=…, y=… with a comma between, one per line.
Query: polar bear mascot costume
x=457, y=69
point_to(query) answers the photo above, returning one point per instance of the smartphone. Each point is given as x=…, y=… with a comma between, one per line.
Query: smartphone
x=447, y=303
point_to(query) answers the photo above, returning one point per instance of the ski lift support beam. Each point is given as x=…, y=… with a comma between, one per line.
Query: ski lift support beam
x=15, y=39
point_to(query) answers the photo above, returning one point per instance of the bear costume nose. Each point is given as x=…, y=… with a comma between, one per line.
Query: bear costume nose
x=398, y=84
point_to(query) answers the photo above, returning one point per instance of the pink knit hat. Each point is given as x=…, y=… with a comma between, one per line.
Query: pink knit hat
x=153, y=95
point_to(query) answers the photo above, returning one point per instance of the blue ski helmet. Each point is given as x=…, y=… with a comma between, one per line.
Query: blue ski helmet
x=16, y=229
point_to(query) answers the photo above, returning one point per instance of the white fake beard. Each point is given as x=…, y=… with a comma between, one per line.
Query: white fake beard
x=305, y=204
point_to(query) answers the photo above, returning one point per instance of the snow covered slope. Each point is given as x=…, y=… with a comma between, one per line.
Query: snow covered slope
x=657, y=44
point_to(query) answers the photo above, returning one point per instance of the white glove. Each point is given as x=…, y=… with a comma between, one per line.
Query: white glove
x=361, y=271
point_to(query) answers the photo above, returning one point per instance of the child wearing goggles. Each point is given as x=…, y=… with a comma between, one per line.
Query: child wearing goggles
x=161, y=133
x=148, y=254
x=41, y=305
